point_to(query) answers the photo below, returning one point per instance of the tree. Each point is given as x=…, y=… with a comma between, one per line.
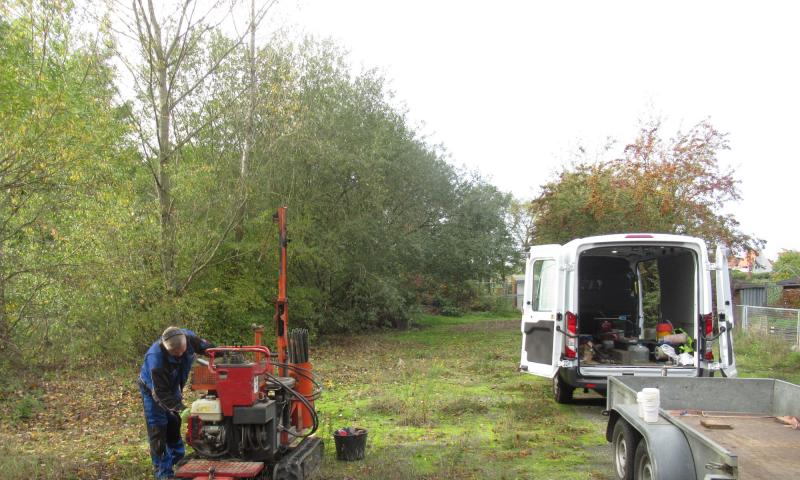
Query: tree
x=250, y=129
x=786, y=266
x=59, y=131
x=181, y=55
x=372, y=206
x=662, y=186
x=521, y=225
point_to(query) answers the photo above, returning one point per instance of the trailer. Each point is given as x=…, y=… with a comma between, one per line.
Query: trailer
x=707, y=429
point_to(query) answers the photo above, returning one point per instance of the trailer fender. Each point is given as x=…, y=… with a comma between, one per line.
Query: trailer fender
x=613, y=417
x=668, y=448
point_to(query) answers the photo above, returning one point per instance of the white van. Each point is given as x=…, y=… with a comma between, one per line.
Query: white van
x=600, y=306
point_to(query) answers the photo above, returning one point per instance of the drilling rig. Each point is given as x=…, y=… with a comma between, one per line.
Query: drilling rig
x=256, y=417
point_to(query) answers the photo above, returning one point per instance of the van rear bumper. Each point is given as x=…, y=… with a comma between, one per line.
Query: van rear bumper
x=571, y=377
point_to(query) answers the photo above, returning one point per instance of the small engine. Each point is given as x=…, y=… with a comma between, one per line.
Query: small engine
x=252, y=432
x=206, y=431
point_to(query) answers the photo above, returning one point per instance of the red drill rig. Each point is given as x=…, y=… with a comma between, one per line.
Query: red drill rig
x=257, y=418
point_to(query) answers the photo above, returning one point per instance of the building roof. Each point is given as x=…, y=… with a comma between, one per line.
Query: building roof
x=742, y=285
x=753, y=261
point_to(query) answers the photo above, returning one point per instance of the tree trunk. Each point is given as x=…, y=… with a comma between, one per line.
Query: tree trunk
x=164, y=186
x=5, y=328
x=168, y=234
x=249, y=134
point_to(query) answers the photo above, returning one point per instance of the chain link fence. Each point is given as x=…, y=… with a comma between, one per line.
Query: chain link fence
x=782, y=323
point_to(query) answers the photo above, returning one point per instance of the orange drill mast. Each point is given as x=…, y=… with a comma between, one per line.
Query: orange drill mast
x=281, y=311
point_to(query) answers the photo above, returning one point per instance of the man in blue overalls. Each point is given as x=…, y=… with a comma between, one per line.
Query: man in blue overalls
x=164, y=373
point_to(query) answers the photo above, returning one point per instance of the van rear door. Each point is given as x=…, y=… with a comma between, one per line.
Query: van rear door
x=727, y=359
x=541, y=342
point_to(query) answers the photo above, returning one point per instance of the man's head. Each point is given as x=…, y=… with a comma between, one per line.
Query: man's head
x=174, y=340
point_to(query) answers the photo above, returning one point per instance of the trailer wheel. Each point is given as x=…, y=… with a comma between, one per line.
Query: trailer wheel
x=623, y=444
x=643, y=467
x=561, y=391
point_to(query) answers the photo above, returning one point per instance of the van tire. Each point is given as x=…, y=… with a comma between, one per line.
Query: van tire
x=642, y=464
x=623, y=445
x=561, y=391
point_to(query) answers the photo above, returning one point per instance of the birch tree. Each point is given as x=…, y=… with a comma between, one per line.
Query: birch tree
x=174, y=79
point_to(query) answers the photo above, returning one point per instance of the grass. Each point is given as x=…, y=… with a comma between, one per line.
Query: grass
x=454, y=406
x=765, y=356
x=445, y=400
x=441, y=400
x=17, y=465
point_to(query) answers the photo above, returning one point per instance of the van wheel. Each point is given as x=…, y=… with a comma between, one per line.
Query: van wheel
x=561, y=391
x=623, y=444
x=643, y=467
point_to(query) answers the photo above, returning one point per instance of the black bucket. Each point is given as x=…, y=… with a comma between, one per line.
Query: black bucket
x=351, y=446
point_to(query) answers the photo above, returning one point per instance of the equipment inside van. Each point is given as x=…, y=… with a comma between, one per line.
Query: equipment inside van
x=627, y=304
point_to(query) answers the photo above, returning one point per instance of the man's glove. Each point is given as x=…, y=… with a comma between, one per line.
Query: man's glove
x=185, y=415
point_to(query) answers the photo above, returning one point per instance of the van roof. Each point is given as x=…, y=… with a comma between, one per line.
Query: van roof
x=637, y=238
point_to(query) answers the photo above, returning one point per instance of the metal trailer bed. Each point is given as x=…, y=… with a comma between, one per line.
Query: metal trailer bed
x=708, y=428
x=771, y=448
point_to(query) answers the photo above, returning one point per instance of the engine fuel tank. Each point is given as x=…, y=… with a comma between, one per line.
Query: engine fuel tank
x=208, y=409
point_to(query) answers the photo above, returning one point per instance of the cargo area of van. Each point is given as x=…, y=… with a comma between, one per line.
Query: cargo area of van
x=641, y=304
x=632, y=299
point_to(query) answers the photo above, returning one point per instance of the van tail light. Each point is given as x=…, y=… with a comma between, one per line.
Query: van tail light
x=572, y=329
x=708, y=329
x=572, y=323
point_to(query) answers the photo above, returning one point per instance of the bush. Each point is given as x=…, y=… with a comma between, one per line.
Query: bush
x=451, y=310
x=503, y=306
x=482, y=303
x=374, y=302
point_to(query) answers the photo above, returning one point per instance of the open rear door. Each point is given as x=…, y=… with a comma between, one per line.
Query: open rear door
x=541, y=342
x=727, y=359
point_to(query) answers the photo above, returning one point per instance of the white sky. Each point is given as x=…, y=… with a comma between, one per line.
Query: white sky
x=511, y=88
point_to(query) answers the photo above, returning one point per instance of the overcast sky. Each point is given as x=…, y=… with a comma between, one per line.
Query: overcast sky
x=511, y=88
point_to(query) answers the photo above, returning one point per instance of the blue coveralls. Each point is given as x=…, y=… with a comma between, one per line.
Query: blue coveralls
x=161, y=383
